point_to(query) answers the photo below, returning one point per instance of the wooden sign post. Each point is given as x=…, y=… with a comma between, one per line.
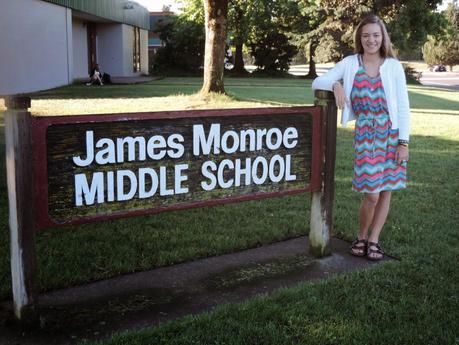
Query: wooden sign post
x=20, y=182
x=78, y=169
x=321, y=223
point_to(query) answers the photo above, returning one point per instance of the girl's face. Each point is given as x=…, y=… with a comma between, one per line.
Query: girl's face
x=371, y=38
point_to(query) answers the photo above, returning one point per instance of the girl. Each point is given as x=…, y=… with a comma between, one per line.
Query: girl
x=373, y=92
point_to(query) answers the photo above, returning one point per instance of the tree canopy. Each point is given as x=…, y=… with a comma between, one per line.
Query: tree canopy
x=273, y=31
x=408, y=21
x=444, y=48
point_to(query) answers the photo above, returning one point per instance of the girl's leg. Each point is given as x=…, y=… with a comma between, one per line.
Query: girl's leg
x=381, y=212
x=379, y=219
x=366, y=214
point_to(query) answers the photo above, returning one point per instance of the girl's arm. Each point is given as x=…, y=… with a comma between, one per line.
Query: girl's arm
x=403, y=104
x=326, y=81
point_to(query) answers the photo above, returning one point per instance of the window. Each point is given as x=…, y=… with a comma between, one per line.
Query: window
x=136, y=50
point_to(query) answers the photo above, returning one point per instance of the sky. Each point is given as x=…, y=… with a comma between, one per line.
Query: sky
x=157, y=5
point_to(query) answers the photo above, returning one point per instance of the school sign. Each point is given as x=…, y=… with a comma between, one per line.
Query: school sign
x=107, y=166
x=77, y=169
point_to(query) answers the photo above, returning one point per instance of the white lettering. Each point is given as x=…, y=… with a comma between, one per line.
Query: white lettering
x=251, y=134
x=235, y=140
x=272, y=171
x=107, y=154
x=260, y=134
x=206, y=173
x=238, y=171
x=163, y=182
x=89, y=151
x=290, y=133
x=132, y=184
x=220, y=173
x=131, y=145
x=264, y=171
x=173, y=142
x=110, y=186
x=143, y=172
x=288, y=164
x=269, y=139
x=83, y=191
x=199, y=139
x=156, y=142
x=179, y=178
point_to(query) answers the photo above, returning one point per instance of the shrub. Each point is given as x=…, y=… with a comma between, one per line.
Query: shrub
x=412, y=76
x=272, y=52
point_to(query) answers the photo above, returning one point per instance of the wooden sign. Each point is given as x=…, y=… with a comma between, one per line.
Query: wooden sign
x=99, y=167
x=77, y=169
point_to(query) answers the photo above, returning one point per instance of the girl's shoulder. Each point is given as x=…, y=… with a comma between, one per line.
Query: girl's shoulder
x=391, y=61
x=350, y=60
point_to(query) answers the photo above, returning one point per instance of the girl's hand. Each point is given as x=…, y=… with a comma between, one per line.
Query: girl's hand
x=402, y=154
x=340, y=97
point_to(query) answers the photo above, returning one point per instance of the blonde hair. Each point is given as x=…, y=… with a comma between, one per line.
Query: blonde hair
x=386, y=45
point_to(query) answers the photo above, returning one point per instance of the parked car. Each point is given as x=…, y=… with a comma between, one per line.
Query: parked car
x=439, y=68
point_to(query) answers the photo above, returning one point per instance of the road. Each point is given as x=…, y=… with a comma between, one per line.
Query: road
x=448, y=80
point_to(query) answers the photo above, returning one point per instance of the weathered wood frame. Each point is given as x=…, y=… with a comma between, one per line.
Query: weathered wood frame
x=41, y=124
x=321, y=224
x=20, y=182
x=22, y=132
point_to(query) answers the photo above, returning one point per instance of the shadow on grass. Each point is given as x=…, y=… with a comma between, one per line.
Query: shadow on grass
x=430, y=101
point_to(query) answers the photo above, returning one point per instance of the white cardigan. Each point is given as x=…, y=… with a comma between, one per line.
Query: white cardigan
x=393, y=80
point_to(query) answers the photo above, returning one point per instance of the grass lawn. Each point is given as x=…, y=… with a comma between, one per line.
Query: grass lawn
x=412, y=301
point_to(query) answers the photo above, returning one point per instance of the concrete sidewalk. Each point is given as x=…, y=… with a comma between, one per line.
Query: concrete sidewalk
x=139, y=300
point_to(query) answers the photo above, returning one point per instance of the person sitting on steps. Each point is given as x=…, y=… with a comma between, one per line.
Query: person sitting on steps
x=95, y=76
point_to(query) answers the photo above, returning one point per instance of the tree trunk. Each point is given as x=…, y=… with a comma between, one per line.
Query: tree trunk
x=312, y=65
x=239, y=38
x=216, y=12
x=239, y=67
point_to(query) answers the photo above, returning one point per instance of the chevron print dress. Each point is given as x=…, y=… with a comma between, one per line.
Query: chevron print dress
x=375, y=142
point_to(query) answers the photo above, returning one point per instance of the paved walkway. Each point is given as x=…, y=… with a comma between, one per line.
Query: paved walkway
x=447, y=80
x=139, y=300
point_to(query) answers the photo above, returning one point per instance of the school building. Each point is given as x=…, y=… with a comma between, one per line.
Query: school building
x=50, y=43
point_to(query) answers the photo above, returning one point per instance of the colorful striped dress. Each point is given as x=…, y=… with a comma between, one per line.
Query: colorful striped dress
x=375, y=142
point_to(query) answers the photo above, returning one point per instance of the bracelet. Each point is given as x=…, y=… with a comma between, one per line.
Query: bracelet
x=403, y=142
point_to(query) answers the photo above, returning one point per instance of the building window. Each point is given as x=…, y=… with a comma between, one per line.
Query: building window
x=136, y=56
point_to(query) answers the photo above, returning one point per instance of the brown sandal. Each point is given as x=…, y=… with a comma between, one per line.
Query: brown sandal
x=371, y=251
x=359, y=248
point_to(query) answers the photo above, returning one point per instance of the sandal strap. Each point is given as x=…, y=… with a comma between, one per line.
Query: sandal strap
x=359, y=247
x=357, y=241
x=378, y=249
